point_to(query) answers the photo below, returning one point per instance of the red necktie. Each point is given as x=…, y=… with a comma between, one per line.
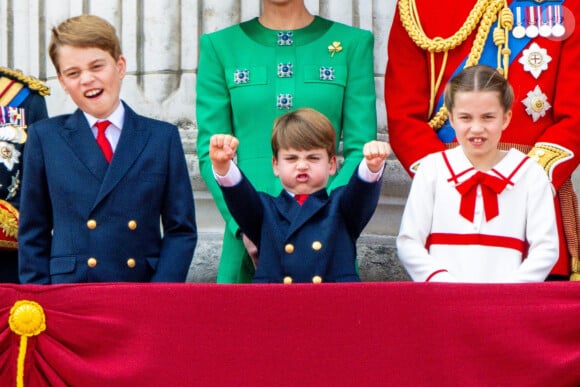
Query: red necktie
x=102, y=140
x=301, y=198
x=490, y=187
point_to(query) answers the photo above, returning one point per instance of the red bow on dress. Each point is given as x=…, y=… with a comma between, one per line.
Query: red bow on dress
x=491, y=186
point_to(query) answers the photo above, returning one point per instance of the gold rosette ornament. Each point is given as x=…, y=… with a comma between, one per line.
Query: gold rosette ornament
x=26, y=319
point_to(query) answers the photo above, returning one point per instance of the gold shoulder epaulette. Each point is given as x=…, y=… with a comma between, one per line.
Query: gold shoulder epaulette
x=30, y=81
x=550, y=155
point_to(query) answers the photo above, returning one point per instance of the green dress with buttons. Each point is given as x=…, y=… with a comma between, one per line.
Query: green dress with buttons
x=248, y=75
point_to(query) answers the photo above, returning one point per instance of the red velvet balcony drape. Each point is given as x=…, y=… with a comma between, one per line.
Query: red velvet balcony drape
x=331, y=334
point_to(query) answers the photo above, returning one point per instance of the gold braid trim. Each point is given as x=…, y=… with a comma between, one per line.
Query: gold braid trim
x=411, y=23
x=32, y=82
x=549, y=156
x=9, y=218
x=484, y=14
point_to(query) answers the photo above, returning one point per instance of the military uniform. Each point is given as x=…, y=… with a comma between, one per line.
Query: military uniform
x=249, y=75
x=537, y=49
x=21, y=103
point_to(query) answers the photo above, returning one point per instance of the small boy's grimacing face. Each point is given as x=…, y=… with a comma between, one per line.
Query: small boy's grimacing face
x=304, y=171
x=92, y=77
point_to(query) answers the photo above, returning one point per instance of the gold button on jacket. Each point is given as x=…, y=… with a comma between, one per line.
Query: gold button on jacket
x=131, y=263
x=317, y=279
x=287, y=280
x=91, y=224
x=132, y=225
x=289, y=248
x=316, y=245
x=92, y=262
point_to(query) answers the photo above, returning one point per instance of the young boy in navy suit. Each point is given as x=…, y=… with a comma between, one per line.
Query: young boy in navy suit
x=106, y=194
x=304, y=234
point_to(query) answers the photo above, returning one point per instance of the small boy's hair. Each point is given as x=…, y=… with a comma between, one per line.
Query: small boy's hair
x=84, y=31
x=303, y=129
x=479, y=78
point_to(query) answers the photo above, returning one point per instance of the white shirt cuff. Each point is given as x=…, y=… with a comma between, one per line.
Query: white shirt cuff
x=231, y=178
x=365, y=174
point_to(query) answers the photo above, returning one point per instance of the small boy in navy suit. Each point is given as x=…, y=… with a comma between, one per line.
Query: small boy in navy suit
x=304, y=234
x=106, y=194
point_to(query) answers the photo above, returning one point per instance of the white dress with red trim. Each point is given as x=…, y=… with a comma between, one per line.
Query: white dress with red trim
x=542, y=70
x=464, y=225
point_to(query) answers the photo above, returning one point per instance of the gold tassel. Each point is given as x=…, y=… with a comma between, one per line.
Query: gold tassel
x=26, y=319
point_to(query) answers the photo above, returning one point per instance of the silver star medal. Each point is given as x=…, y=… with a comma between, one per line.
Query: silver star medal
x=536, y=104
x=535, y=60
x=8, y=155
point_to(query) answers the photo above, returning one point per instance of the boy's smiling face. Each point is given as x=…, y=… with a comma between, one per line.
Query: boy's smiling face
x=304, y=171
x=92, y=77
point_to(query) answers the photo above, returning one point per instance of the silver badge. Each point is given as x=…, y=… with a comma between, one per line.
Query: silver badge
x=535, y=60
x=536, y=104
x=9, y=155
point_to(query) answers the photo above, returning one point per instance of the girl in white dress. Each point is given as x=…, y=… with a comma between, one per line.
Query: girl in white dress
x=476, y=213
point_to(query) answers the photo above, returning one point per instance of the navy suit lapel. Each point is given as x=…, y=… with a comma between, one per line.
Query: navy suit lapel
x=78, y=136
x=287, y=206
x=134, y=137
x=299, y=215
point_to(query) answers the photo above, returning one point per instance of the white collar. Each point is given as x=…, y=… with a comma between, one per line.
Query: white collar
x=116, y=118
x=511, y=166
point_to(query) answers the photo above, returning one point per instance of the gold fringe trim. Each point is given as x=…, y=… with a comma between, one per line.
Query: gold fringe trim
x=549, y=155
x=9, y=217
x=32, y=82
x=484, y=14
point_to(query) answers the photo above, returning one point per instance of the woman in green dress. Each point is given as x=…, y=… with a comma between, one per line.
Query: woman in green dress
x=252, y=72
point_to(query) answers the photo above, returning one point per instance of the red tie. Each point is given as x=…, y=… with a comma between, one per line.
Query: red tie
x=490, y=187
x=102, y=140
x=301, y=198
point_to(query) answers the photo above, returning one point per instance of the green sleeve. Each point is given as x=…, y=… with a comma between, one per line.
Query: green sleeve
x=213, y=113
x=359, y=115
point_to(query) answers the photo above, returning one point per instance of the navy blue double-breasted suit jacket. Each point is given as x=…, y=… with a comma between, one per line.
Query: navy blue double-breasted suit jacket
x=301, y=242
x=83, y=220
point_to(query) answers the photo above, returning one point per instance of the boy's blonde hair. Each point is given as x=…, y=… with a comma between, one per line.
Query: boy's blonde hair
x=84, y=31
x=303, y=129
